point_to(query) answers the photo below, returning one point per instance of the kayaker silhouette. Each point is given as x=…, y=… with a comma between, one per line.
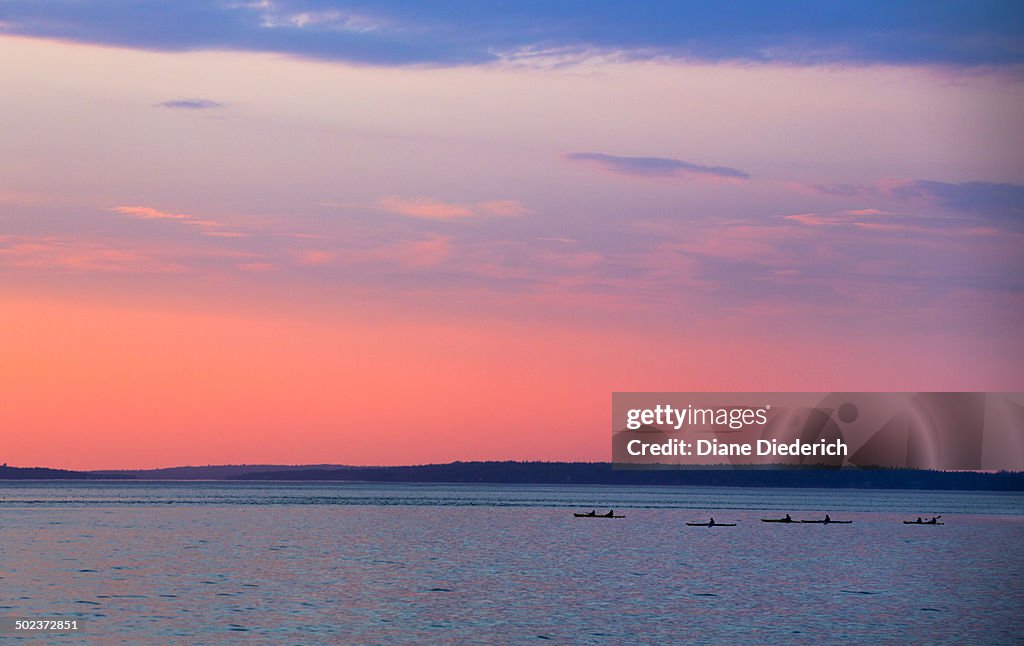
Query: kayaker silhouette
x=827, y=519
x=919, y=521
x=712, y=522
x=789, y=518
x=593, y=512
x=610, y=514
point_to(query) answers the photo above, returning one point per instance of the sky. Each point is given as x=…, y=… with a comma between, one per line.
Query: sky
x=400, y=233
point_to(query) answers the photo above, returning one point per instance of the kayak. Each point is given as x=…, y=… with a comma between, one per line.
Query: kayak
x=914, y=522
x=778, y=520
x=711, y=524
x=828, y=522
x=595, y=516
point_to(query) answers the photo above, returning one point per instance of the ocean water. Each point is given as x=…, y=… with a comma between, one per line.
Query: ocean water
x=322, y=563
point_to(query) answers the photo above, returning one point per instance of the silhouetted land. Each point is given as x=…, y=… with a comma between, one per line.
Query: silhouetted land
x=41, y=473
x=212, y=472
x=600, y=473
x=603, y=473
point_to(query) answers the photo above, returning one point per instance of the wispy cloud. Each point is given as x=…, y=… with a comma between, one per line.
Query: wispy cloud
x=274, y=17
x=423, y=207
x=313, y=257
x=149, y=213
x=503, y=207
x=563, y=57
x=869, y=219
x=20, y=198
x=225, y=234
x=995, y=199
x=51, y=253
x=987, y=200
x=190, y=104
x=413, y=253
x=254, y=267
x=426, y=252
x=655, y=166
x=431, y=209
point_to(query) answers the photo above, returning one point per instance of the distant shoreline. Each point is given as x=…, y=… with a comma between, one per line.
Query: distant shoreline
x=553, y=473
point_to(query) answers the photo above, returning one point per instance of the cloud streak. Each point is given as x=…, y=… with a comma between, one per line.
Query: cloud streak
x=149, y=213
x=655, y=166
x=274, y=16
x=52, y=253
x=1001, y=202
x=190, y=104
x=868, y=219
x=431, y=209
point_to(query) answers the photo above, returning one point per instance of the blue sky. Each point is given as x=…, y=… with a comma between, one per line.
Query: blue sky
x=468, y=32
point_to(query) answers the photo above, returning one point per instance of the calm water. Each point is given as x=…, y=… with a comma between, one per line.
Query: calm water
x=314, y=563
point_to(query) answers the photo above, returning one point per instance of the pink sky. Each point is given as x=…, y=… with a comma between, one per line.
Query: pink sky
x=329, y=262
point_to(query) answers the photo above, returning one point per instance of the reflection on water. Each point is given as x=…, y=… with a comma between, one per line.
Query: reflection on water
x=323, y=563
